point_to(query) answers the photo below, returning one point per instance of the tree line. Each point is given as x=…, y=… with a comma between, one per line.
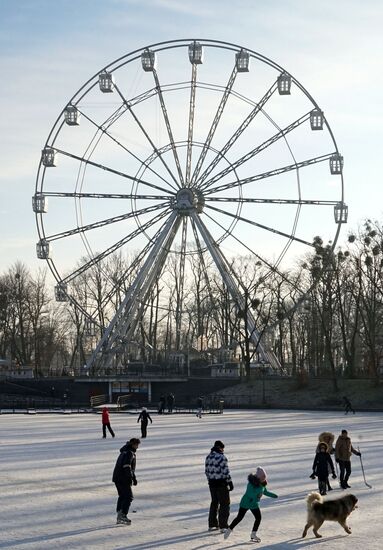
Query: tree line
x=324, y=317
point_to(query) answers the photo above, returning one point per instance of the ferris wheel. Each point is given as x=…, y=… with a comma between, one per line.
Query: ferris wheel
x=186, y=147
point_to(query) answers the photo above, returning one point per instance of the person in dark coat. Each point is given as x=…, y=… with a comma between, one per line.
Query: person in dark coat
x=322, y=463
x=144, y=416
x=124, y=476
x=328, y=438
x=106, y=422
x=199, y=406
x=170, y=401
x=220, y=483
x=347, y=405
x=161, y=406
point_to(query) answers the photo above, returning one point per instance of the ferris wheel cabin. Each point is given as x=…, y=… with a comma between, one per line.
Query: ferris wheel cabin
x=61, y=292
x=40, y=203
x=242, y=61
x=106, y=82
x=43, y=250
x=72, y=116
x=148, y=60
x=195, y=53
x=48, y=157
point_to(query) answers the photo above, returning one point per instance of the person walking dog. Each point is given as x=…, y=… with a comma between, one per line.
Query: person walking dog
x=343, y=452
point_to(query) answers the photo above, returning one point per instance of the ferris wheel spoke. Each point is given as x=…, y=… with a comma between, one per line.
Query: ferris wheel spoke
x=261, y=226
x=250, y=117
x=96, y=259
x=180, y=296
x=107, y=221
x=129, y=196
x=104, y=130
x=251, y=154
x=302, y=202
x=191, y=124
x=204, y=269
x=272, y=267
x=232, y=282
x=270, y=174
x=168, y=126
x=130, y=311
x=214, y=124
x=132, y=266
x=111, y=170
x=140, y=125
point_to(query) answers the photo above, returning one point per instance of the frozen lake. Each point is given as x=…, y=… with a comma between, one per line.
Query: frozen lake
x=56, y=489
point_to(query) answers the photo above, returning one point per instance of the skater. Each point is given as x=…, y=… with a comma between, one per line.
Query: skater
x=199, y=406
x=250, y=501
x=347, y=405
x=144, y=416
x=106, y=423
x=124, y=477
x=170, y=401
x=161, y=405
x=322, y=463
x=343, y=451
x=328, y=438
x=220, y=484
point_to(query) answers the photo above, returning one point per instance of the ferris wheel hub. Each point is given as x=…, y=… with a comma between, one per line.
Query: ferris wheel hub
x=188, y=200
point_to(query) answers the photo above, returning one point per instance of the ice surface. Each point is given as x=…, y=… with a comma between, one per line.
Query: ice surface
x=56, y=489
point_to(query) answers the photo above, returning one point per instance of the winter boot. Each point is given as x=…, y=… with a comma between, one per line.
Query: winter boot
x=122, y=519
x=227, y=533
x=254, y=537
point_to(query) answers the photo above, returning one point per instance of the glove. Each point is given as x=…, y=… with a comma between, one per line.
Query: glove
x=230, y=486
x=134, y=481
x=312, y=476
x=337, y=460
x=359, y=454
x=334, y=476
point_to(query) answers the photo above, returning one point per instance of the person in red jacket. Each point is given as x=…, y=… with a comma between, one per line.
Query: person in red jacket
x=106, y=423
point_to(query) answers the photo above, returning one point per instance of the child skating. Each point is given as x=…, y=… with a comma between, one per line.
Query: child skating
x=250, y=501
x=321, y=465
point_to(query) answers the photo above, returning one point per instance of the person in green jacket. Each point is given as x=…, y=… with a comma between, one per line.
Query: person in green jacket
x=250, y=501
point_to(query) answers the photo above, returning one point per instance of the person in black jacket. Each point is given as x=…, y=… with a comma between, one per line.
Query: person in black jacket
x=322, y=463
x=144, y=416
x=124, y=477
x=220, y=484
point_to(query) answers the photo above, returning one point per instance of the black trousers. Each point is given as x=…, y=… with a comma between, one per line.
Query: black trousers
x=345, y=470
x=104, y=426
x=144, y=428
x=219, y=507
x=125, y=497
x=241, y=514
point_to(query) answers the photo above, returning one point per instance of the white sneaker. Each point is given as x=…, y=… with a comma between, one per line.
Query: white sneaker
x=254, y=537
x=213, y=528
x=227, y=533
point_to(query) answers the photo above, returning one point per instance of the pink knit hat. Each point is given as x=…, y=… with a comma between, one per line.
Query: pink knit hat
x=260, y=474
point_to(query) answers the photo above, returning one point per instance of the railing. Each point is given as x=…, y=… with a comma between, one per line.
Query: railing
x=97, y=400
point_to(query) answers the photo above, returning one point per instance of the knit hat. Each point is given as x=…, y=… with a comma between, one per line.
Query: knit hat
x=323, y=444
x=260, y=474
x=219, y=444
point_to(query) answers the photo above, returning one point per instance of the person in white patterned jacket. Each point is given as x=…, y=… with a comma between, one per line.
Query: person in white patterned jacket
x=220, y=484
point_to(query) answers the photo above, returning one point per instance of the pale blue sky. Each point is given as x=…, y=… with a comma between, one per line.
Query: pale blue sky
x=49, y=49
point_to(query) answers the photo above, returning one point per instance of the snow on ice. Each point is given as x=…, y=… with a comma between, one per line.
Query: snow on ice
x=56, y=489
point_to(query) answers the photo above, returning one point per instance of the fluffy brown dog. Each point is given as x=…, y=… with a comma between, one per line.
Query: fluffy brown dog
x=319, y=510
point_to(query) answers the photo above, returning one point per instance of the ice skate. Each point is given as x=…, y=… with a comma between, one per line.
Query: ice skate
x=254, y=537
x=227, y=533
x=122, y=519
x=213, y=529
